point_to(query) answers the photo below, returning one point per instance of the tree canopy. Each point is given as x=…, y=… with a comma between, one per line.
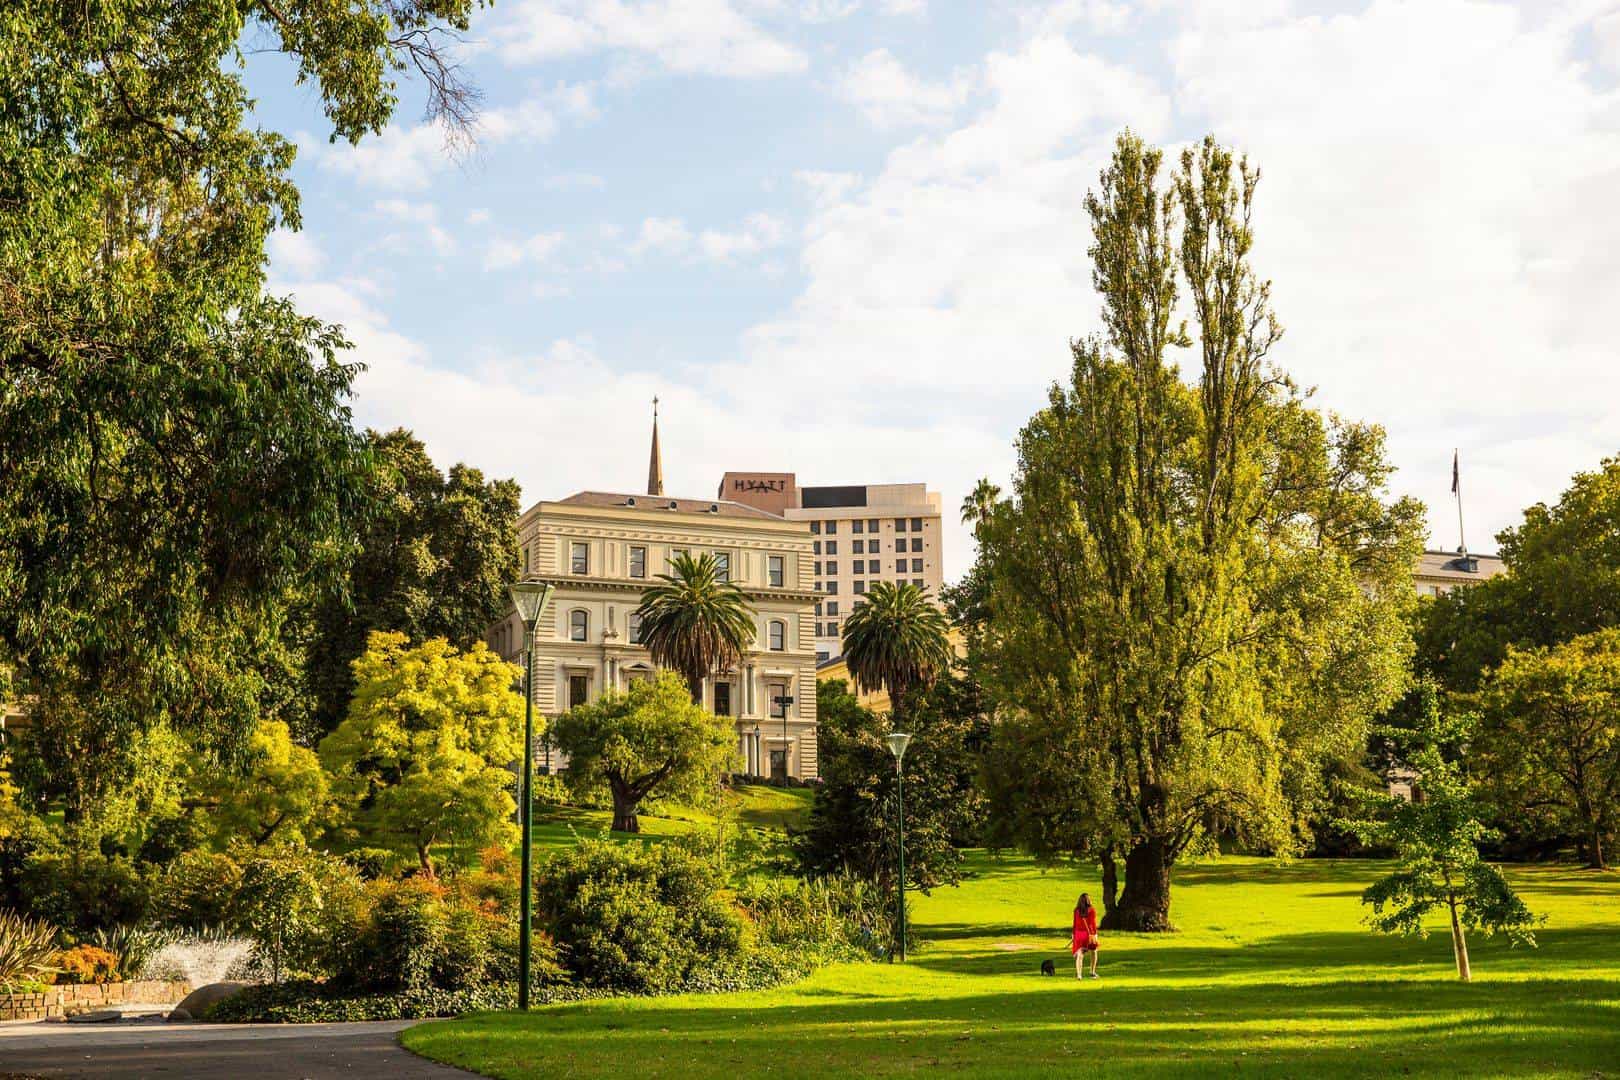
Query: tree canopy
x=423, y=756
x=1195, y=589
x=650, y=737
x=696, y=620
x=896, y=641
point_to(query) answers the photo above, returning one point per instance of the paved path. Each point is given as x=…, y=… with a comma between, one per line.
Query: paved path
x=214, y=1051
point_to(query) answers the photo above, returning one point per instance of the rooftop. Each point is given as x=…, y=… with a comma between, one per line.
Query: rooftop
x=1451, y=566
x=666, y=504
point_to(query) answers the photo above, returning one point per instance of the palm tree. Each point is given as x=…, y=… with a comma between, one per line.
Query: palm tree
x=976, y=507
x=697, y=621
x=896, y=641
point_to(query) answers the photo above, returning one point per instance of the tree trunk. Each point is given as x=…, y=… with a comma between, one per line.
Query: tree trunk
x=1596, y=861
x=1110, y=884
x=1144, y=905
x=624, y=811
x=1459, y=944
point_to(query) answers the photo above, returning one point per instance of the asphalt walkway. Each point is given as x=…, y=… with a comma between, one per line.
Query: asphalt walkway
x=213, y=1051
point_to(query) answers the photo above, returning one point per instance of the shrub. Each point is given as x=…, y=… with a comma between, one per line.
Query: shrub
x=466, y=949
x=86, y=964
x=371, y=863
x=406, y=936
x=27, y=950
x=833, y=918
x=197, y=890
x=636, y=919
x=320, y=1003
x=81, y=890
x=300, y=908
x=130, y=947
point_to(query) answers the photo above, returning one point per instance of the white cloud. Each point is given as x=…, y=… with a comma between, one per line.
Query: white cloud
x=890, y=96
x=504, y=253
x=1606, y=35
x=707, y=37
x=425, y=218
x=478, y=216
x=294, y=254
x=903, y=7
x=665, y=235
x=759, y=232
x=821, y=11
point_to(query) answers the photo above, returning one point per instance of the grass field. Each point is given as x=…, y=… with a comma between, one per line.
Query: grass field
x=1270, y=974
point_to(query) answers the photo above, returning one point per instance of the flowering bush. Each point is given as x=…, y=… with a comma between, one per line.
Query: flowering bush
x=86, y=964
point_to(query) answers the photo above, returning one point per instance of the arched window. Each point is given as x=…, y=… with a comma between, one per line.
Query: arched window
x=776, y=635
x=635, y=628
x=579, y=625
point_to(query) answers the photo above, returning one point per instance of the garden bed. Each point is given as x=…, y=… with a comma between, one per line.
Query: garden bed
x=55, y=1001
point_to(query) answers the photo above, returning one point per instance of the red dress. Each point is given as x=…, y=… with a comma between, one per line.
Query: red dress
x=1085, y=931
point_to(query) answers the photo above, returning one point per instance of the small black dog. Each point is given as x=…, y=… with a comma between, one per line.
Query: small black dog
x=1048, y=967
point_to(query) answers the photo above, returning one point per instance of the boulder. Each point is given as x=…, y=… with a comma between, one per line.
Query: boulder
x=200, y=1000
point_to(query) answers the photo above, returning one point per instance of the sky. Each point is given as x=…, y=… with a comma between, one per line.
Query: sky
x=845, y=238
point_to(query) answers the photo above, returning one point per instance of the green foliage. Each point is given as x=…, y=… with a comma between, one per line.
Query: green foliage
x=290, y=904
x=650, y=737
x=81, y=890
x=129, y=946
x=280, y=796
x=1195, y=589
x=1551, y=734
x=636, y=919
x=896, y=641
x=307, y=1002
x=434, y=559
x=695, y=621
x=852, y=820
x=1436, y=836
x=27, y=949
x=86, y=964
x=831, y=918
x=197, y=891
x=422, y=757
x=406, y=936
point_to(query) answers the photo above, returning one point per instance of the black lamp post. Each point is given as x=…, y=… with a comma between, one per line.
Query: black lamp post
x=757, y=754
x=529, y=598
x=897, y=746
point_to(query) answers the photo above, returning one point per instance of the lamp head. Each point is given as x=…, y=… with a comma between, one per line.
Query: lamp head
x=897, y=746
x=530, y=598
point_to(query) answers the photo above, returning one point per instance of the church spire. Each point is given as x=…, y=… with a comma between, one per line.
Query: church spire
x=655, y=464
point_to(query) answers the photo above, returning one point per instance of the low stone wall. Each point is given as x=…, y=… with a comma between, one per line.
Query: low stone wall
x=67, y=1000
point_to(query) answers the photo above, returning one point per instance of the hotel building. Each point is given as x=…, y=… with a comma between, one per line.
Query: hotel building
x=601, y=550
x=859, y=534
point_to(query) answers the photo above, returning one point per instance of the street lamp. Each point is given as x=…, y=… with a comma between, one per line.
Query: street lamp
x=757, y=753
x=897, y=746
x=529, y=598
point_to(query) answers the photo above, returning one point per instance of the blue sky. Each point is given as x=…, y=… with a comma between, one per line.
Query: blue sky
x=845, y=237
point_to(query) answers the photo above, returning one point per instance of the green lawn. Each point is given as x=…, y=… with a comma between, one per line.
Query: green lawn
x=766, y=810
x=1271, y=974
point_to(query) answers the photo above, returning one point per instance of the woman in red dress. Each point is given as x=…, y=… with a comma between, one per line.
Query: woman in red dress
x=1085, y=936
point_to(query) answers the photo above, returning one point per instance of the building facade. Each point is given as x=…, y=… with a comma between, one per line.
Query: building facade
x=600, y=551
x=859, y=534
x=1439, y=572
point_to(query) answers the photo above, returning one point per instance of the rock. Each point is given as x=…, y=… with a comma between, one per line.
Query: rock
x=200, y=1000
x=100, y=1016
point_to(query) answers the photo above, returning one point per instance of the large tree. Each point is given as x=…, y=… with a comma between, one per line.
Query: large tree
x=176, y=450
x=897, y=641
x=652, y=737
x=1196, y=586
x=1551, y=734
x=423, y=756
x=696, y=620
x=435, y=557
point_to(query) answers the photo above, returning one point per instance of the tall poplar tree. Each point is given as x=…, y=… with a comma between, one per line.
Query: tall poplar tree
x=1195, y=588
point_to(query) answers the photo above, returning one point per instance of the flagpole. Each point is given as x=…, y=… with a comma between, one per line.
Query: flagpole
x=1456, y=489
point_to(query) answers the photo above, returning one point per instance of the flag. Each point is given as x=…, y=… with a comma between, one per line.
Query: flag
x=1454, y=472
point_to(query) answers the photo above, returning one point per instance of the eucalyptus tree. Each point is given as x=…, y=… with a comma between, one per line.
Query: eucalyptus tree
x=696, y=620
x=1196, y=587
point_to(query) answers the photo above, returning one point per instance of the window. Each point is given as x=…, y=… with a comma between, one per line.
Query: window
x=815, y=528
x=857, y=526
x=579, y=558
x=832, y=547
x=918, y=582
x=871, y=525
x=832, y=588
x=860, y=547
x=675, y=553
x=899, y=566
x=815, y=546
x=579, y=626
x=899, y=524
x=818, y=569
x=777, y=636
x=579, y=690
x=916, y=544
x=832, y=528
x=832, y=607
x=525, y=560
x=916, y=524
x=638, y=562
x=860, y=586
x=860, y=566
x=722, y=699
x=634, y=627
x=818, y=608
x=773, y=571
x=722, y=565
x=916, y=566
x=832, y=568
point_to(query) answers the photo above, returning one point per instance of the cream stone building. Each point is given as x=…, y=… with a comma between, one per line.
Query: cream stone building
x=1439, y=572
x=860, y=534
x=601, y=550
